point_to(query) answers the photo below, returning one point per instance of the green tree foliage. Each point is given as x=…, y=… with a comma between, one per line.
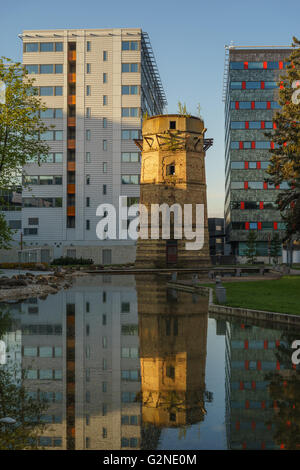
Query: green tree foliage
x=20, y=129
x=275, y=247
x=182, y=109
x=16, y=403
x=250, y=251
x=285, y=160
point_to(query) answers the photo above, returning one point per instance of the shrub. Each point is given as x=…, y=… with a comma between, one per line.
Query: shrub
x=67, y=260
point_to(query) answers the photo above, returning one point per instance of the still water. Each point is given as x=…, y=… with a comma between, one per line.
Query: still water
x=124, y=362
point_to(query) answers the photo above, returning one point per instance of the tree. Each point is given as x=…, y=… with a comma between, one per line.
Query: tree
x=275, y=248
x=20, y=129
x=285, y=161
x=250, y=251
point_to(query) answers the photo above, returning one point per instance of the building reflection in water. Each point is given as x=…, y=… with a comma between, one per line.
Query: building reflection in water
x=173, y=335
x=262, y=388
x=80, y=349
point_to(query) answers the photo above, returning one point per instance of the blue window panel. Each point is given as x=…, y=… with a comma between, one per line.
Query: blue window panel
x=254, y=125
x=260, y=105
x=58, y=91
x=46, y=91
x=247, y=145
x=32, y=69
x=262, y=145
x=46, y=68
x=275, y=105
x=125, y=45
x=245, y=104
x=237, y=65
x=58, y=47
x=125, y=68
x=46, y=46
x=255, y=65
x=237, y=125
x=270, y=85
x=235, y=85
x=253, y=225
x=59, y=68
x=234, y=145
x=268, y=125
x=252, y=85
x=32, y=47
x=273, y=65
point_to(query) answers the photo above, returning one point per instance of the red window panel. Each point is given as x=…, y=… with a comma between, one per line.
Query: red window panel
x=253, y=145
x=253, y=385
x=284, y=144
x=241, y=145
x=280, y=64
x=246, y=344
x=262, y=124
x=262, y=85
x=277, y=365
x=258, y=165
x=243, y=85
x=241, y=385
x=253, y=425
x=272, y=145
x=237, y=425
x=247, y=226
x=266, y=344
x=281, y=86
x=277, y=186
x=261, y=205
x=252, y=104
x=247, y=125
x=268, y=104
x=263, y=445
x=242, y=205
x=247, y=404
x=258, y=365
x=246, y=165
x=263, y=404
x=237, y=105
x=265, y=65
x=275, y=225
x=259, y=225
x=265, y=185
x=245, y=184
x=246, y=65
x=274, y=125
x=292, y=204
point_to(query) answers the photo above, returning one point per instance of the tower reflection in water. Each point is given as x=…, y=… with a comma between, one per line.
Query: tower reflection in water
x=173, y=336
x=117, y=360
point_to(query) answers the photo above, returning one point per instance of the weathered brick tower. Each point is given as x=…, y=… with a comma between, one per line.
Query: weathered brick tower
x=173, y=172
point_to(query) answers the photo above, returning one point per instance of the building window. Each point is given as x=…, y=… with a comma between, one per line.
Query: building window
x=87, y=307
x=87, y=179
x=88, y=68
x=130, y=90
x=105, y=78
x=104, y=409
x=128, y=67
x=88, y=134
x=105, y=56
x=104, y=189
x=33, y=221
x=88, y=90
x=88, y=46
x=88, y=112
x=87, y=202
x=104, y=433
x=105, y=100
x=130, y=112
x=130, y=45
x=104, y=387
x=31, y=47
x=104, y=123
x=88, y=157
x=130, y=157
x=87, y=225
x=104, y=167
x=130, y=179
x=130, y=134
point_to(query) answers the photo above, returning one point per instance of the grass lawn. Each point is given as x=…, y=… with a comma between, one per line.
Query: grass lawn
x=278, y=295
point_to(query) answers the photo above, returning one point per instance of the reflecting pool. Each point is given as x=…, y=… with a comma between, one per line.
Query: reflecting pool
x=124, y=362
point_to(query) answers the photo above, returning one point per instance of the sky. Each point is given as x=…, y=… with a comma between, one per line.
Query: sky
x=188, y=39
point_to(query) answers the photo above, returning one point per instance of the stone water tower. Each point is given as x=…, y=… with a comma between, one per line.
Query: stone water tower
x=173, y=172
